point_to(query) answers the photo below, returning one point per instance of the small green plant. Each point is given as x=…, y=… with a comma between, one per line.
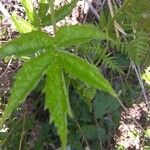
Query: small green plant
x=53, y=62
x=69, y=61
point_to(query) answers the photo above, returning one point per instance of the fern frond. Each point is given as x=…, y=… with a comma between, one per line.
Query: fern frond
x=111, y=63
x=101, y=56
x=137, y=48
x=133, y=9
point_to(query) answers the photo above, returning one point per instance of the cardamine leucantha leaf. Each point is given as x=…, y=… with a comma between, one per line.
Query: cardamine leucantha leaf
x=26, y=79
x=27, y=44
x=57, y=101
x=86, y=72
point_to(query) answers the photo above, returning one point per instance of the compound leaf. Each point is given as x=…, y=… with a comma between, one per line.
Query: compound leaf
x=57, y=100
x=26, y=79
x=78, y=34
x=85, y=71
x=27, y=44
x=60, y=13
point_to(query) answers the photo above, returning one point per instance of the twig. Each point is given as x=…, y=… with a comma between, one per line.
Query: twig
x=93, y=10
x=22, y=134
x=79, y=127
x=138, y=74
x=9, y=63
x=53, y=15
x=112, y=14
x=116, y=25
x=128, y=72
x=117, y=13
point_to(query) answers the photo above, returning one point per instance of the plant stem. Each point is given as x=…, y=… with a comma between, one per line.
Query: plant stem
x=138, y=74
x=79, y=127
x=23, y=131
x=117, y=13
x=112, y=15
x=52, y=10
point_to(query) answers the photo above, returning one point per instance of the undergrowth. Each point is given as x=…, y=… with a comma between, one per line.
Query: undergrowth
x=64, y=71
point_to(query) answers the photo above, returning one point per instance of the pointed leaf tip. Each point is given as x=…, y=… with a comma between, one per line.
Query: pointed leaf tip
x=26, y=79
x=57, y=101
x=27, y=44
x=86, y=72
x=78, y=34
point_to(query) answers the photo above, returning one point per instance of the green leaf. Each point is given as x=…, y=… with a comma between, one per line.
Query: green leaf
x=43, y=8
x=26, y=79
x=104, y=103
x=31, y=12
x=144, y=23
x=60, y=13
x=22, y=25
x=146, y=75
x=78, y=34
x=92, y=132
x=85, y=71
x=57, y=100
x=147, y=133
x=85, y=91
x=26, y=44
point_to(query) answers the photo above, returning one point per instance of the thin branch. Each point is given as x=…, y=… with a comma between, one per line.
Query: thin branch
x=138, y=74
x=112, y=15
x=53, y=15
x=93, y=10
x=9, y=63
x=86, y=141
x=23, y=132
